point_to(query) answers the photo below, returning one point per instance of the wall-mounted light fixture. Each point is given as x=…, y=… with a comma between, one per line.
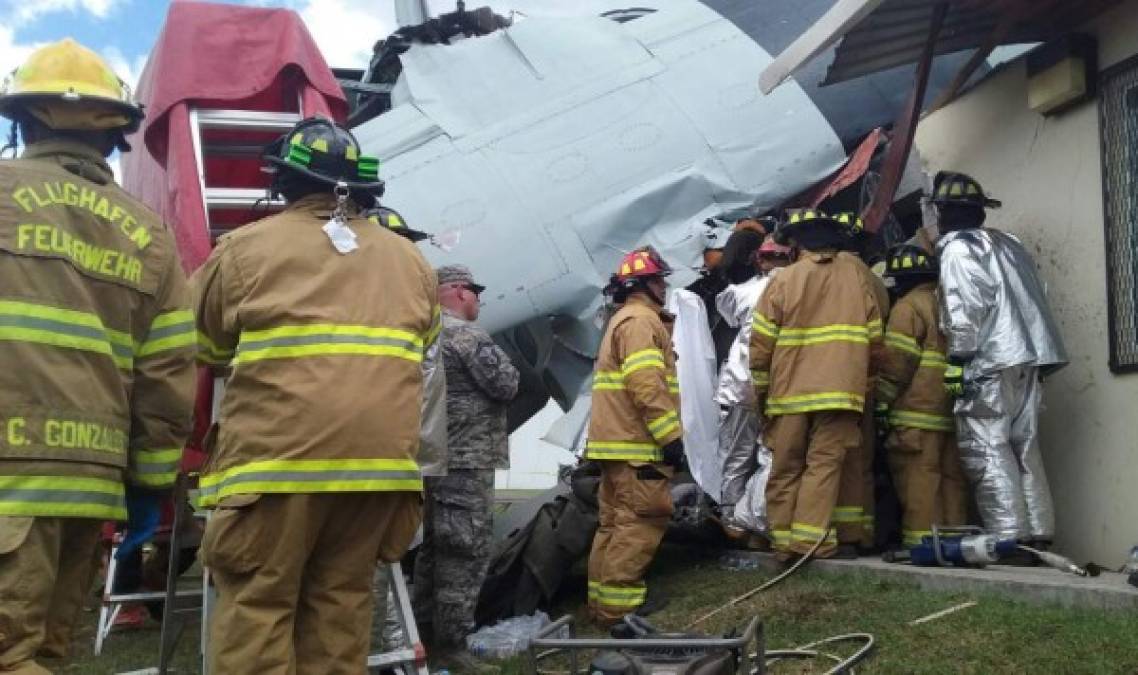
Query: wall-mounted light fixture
x=1062, y=74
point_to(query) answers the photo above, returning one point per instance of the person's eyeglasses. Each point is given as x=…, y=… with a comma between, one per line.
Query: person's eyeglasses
x=475, y=291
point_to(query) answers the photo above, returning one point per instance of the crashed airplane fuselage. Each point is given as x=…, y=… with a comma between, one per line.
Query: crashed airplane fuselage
x=539, y=153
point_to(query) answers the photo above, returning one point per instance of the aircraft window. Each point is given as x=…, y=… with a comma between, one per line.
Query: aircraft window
x=626, y=15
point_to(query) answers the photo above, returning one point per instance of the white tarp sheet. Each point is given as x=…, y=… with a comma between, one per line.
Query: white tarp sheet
x=695, y=366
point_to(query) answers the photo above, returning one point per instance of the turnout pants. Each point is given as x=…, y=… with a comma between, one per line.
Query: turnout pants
x=854, y=513
x=455, y=555
x=809, y=450
x=929, y=480
x=293, y=575
x=47, y=566
x=635, y=505
x=997, y=430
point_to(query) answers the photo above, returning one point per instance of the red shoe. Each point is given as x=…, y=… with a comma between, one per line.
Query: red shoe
x=131, y=617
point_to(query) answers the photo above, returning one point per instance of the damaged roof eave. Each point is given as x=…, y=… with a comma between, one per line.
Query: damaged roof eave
x=874, y=35
x=834, y=24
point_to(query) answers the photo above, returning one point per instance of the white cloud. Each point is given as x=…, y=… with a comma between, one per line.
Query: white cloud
x=346, y=30
x=127, y=69
x=12, y=53
x=22, y=12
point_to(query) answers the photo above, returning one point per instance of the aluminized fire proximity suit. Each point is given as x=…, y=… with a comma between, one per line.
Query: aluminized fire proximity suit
x=746, y=461
x=997, y=320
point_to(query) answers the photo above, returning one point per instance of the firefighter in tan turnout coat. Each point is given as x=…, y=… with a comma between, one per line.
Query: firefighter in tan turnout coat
x=324, y=318
x=635, y=434
x=96, y=349
x=913, y=403
x=815, y=336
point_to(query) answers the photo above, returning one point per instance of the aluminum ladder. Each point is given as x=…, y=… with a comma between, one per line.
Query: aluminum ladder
x=174, y=607
x=240, y=135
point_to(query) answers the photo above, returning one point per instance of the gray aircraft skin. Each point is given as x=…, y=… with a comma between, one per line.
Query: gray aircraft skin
x=540, y=153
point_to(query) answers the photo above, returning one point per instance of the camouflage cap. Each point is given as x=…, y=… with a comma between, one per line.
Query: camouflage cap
x=458, y=274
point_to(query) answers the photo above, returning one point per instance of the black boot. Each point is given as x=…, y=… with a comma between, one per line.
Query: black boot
x=844, y=552
x=652, y=604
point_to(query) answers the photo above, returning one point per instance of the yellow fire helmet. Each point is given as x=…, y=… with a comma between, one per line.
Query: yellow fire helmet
x=69, y=87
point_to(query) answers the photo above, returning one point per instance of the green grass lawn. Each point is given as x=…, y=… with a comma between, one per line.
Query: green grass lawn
x=996, y=636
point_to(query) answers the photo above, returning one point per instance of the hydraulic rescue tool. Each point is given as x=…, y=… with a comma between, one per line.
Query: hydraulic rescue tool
x=959, y=546
x=972, y=547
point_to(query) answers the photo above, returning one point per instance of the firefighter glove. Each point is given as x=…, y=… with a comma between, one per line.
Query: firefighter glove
x=674, y=454
x=954, y=379
x=142, y=509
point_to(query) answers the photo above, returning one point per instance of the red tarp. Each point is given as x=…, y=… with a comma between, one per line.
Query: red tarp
x=226, y=57
x=217, y=56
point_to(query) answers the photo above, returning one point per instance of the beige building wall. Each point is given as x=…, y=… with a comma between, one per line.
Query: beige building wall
x=1047, y=172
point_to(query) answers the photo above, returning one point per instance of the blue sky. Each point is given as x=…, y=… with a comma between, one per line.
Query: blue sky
x=124, y=30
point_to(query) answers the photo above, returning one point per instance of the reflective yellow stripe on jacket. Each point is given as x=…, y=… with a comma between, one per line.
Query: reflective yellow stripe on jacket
x=803, y=403
x=933, y=359
x=929, y=358
x=155, y=468
x=608, y=380
x=664, y=425
x=903, y=343
x=631, y=451
x=763, y=326
x=838, y=332
x=64, y=328
x=62, y=497
x=326, y=339
x=299, y=476
x=170, y=330
x=645, y=358
x=211, y=354
x=613, y=380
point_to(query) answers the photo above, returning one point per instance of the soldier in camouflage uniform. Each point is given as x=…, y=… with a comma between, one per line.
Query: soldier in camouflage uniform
x=481, y=381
